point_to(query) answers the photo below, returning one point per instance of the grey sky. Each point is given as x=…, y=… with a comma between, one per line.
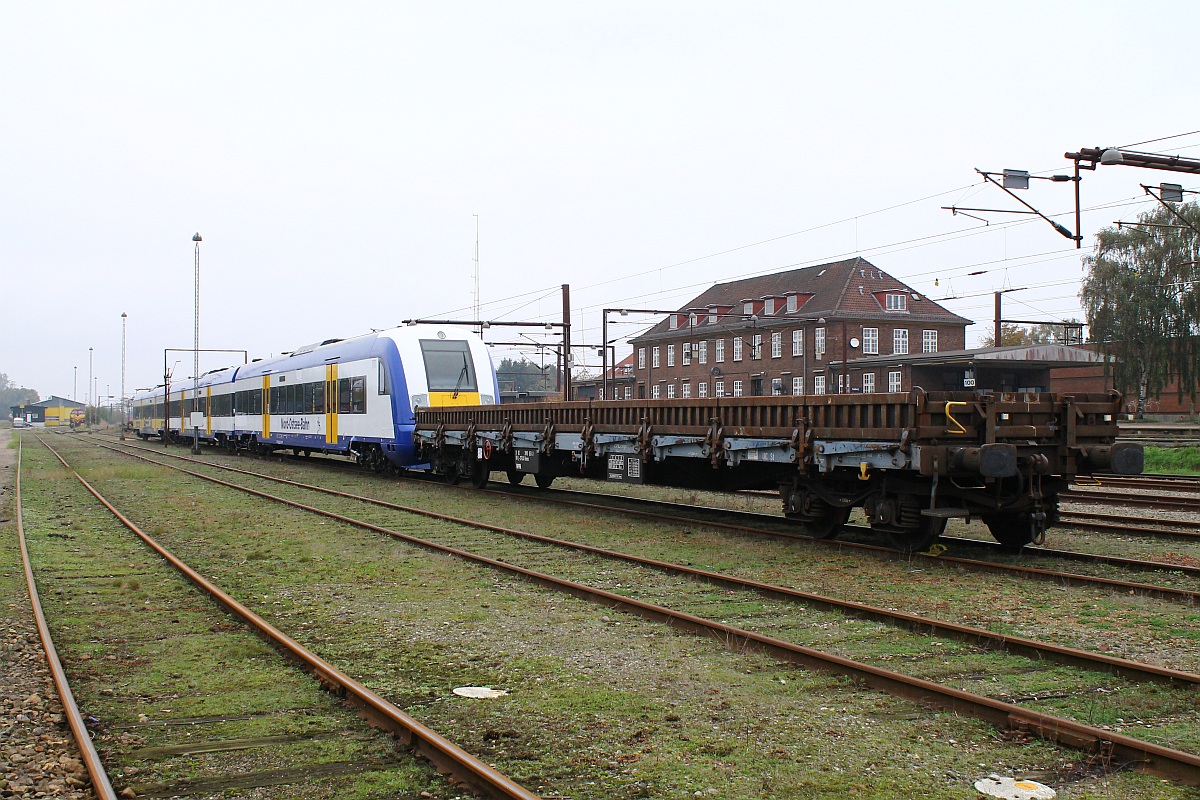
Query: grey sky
x=332, y=156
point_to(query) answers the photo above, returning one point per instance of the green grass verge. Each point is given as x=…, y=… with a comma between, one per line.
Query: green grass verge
x=1173, y=460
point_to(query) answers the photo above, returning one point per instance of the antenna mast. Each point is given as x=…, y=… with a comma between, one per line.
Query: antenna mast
x=477, y=300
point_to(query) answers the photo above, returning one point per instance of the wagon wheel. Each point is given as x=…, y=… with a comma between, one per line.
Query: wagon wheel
x=913, y=540
x=1012, y=531
x=515, y=476
x=827, y=525
x=543, y=480
x=480, y=474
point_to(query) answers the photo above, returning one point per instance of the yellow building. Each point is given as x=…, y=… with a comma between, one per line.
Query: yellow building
x=57, y=410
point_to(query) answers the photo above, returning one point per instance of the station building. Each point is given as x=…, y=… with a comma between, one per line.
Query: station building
x=846, y=326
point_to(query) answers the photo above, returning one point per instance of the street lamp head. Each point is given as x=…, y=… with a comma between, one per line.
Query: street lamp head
x=123, y=315
x=197, y=238
x=1112, y=155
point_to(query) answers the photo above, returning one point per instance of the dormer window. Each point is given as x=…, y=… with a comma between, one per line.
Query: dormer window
x=769, y=305
x=712, y=315
x=793, y=302
x=748, y=307
x=674, y=322
x=897, y=302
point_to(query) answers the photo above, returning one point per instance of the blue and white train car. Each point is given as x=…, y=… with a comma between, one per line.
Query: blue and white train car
x=355, y=396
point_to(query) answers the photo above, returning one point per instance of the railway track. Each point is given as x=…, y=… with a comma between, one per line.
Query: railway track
x=459, y=766
x=1159, y=502
x=752, y=523
x=997, y=711
x=1170, y=483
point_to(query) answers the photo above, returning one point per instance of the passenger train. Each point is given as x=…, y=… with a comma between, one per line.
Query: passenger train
x=353, y=397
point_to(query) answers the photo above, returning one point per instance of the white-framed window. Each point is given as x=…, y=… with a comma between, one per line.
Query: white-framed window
x=641, y=358
x=929, y=341
x=702, y=389
x=748, y=308
x=702, y=352
x=793, y=302
x=687, y=390
x=737, y=348
x=756, y=346
x=818, y=384
x=841, y=383
x=798, y=385
x=819, y=341
x=897, y=302
x=776, y=386
x=769, y=306
x=737, y=388
x=670, y=355
x=628, y=392
x=654, y=393
x=868, y=382
x=719, y=389
x=670, y=390
x=900, y=341
x=871, y=341
x=798, y=341
x=687, y=353
x=894, y=381
x=776, y=345
x=654, y=359
x=719, y=351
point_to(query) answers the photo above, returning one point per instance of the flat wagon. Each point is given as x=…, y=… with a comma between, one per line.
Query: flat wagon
x=911, y=461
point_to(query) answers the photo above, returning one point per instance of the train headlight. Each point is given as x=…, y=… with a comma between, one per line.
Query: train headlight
x=420, y=400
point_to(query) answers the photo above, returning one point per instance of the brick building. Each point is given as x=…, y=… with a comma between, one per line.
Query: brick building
x=794, y=332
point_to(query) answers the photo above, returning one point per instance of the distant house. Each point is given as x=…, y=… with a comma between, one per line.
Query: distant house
x=796, y=332
x=620, y=383
x=52, y=412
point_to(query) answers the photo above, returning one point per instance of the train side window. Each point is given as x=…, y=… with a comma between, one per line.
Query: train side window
x=318, y=398
x=385, y=386
x=343, y=395
x=358, y=395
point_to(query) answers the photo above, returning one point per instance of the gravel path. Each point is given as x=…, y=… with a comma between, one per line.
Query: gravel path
x=38, y=757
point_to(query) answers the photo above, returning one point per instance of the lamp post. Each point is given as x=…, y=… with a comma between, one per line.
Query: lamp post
x=87, y=413
x=75, y=386
x=124, y=316
x=196, y=351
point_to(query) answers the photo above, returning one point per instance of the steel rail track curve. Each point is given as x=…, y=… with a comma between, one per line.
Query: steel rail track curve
x=101, y=785
x=445, y=756
x=1127, y=668
x=1149, y=757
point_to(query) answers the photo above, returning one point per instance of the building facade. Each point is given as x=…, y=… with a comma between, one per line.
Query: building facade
x=794, y=332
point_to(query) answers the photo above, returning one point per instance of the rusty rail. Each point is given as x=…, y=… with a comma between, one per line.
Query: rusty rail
x=91, y=759
x=446, y=756
x=1150, y=757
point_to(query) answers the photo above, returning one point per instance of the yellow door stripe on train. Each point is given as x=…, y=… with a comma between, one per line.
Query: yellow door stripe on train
x=266, y=406
x=331, y=403
x=208, y=410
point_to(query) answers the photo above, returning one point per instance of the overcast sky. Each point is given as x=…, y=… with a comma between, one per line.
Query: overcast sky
x=333, y=157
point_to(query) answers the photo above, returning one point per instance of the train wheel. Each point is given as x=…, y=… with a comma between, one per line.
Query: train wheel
x=1013, y=532
x=480, y=475
x=826, y=526
x=913, y=540
x=543, y=481
x=515, y=477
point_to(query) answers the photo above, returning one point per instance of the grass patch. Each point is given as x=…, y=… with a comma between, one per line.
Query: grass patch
x=1173, y=460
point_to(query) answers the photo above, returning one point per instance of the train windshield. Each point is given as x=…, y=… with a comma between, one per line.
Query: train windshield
x=448, y=366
